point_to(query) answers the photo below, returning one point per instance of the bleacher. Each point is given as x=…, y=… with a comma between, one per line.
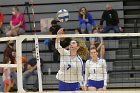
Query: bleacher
x=120, y=73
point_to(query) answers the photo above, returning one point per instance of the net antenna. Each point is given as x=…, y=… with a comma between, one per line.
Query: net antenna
x=37, y=51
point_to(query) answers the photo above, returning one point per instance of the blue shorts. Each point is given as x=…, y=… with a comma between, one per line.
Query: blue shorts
x=69, y=86
x=97, y=84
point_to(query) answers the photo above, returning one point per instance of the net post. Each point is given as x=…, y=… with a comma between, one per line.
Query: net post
x=19, y=64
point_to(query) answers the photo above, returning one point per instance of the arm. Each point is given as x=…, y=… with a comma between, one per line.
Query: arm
x=30, y=68
x=102, y=19
x=81, y=20
x=105, y=73
x=101, y=43
x=34, y=67
x=86, y=73
x=58, y=46
x=21, y=19
x=80, y=72
x=92, y=43
x=20, y=23
x=11, y=24
x=116, y=16
x=57, y=43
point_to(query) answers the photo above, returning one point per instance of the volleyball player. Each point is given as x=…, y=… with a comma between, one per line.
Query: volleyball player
x=70, y=74
x=95, y=73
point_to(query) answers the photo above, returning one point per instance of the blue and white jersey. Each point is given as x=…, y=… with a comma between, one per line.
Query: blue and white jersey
x=70, y=68
x=96, y=71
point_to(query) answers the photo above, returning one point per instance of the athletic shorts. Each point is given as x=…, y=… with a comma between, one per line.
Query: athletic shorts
x=97, y=84
x=69, y=86
x=7, y=81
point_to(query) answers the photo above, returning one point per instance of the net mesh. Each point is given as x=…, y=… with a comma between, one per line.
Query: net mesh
x=121, y=52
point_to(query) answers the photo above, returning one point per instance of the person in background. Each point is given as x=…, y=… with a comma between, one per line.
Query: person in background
x=112, y=21
x=85, y=20
x=1, y=21
x=14, y=70
x=98, y=41
x=8, y=51
x=8, y=54
x=53, y=31
x=8, y=84
x=17, y=23
x=31, y=70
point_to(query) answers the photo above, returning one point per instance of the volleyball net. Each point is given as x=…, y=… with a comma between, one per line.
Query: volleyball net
x=121, y=52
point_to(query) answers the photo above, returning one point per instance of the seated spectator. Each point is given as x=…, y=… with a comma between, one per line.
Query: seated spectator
x=8, y=51
x=85, y=20
x=17, y=23
x=53, y=31
x=31, y=70
x=112, y=21
x=97, y=42
x=1, y=21
x=8, y=83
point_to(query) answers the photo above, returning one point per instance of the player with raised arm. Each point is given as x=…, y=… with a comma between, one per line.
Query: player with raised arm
x=70, y=75
x=95, y=72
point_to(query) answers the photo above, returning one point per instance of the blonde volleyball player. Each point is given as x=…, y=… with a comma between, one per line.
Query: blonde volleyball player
x=70, y=74
x=95, y=72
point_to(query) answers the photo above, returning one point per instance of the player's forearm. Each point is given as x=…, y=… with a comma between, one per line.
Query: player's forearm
x=58, y=46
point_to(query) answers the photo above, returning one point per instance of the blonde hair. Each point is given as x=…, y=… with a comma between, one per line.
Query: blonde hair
x=83, y=50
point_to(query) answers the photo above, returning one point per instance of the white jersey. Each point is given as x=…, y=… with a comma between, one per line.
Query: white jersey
x=96, y=71
x=70, y=68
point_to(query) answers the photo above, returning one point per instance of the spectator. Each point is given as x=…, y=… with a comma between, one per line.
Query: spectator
x=112, y=21
x=53, y=31
x=85, y=20
x=98, y=42
x=31, y=70
x=8, y=51
x=8, y=84
x=17, y=23
x=1, y=20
